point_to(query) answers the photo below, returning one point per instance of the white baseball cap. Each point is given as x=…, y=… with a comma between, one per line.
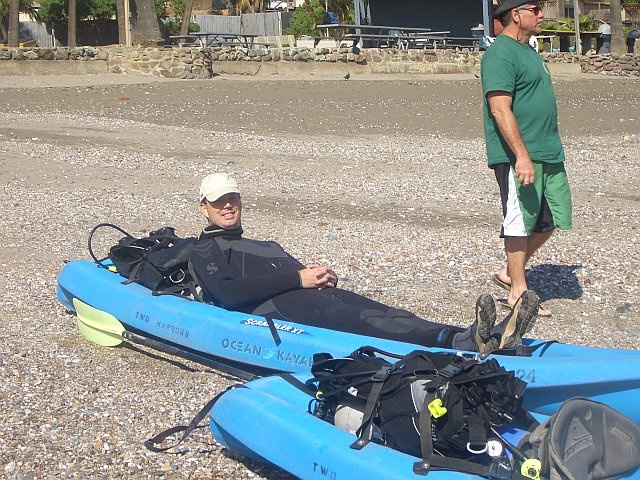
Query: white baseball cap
x=216, y=185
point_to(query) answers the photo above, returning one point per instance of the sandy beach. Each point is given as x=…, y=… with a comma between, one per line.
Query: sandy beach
x=383, y=177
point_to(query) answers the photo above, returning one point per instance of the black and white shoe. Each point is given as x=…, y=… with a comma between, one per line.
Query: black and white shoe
x=484, y=322
x=519, y=321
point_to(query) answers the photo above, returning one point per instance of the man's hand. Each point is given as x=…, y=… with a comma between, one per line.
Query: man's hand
x=317, y=276
x=524, y=171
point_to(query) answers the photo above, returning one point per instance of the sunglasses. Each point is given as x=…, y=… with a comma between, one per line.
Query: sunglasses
x=535, y=10
x=220, y=203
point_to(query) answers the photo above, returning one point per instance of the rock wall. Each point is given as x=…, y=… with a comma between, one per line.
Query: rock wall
x=199, y=63
x=57, y=53
x=625, y=65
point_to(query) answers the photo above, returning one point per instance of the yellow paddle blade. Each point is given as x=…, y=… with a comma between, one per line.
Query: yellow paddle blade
x=97, y=326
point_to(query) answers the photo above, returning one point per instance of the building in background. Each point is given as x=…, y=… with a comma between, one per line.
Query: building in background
x=458, y=17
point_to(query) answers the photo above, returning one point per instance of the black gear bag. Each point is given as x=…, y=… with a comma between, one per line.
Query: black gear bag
x=440, y=407
x=159, y=261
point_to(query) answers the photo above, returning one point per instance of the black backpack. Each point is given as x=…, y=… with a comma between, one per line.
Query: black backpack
x=441, y=407
x=159, y=261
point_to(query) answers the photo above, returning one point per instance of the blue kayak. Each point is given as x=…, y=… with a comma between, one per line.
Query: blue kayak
x=275, y=427
x=554, y=372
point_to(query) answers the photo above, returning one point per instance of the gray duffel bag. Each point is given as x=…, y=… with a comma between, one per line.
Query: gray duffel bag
x=585, y=440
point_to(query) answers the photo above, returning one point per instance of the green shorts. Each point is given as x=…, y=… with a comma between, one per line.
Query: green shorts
x=540, y=207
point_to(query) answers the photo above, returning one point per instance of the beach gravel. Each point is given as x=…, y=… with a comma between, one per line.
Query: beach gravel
x=383, y=178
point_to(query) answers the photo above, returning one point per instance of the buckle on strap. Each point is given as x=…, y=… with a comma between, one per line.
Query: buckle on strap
x=476, y=450
x=421, y=468
x=449, y=371
x=382, y=374
x=500, y=469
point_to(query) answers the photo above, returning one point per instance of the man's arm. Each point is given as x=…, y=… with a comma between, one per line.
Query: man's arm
x=500, y=108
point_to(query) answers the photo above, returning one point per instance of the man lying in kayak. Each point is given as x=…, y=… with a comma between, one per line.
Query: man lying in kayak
x=260, y=278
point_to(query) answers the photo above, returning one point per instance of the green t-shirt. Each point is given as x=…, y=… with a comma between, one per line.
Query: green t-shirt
x=516, y=68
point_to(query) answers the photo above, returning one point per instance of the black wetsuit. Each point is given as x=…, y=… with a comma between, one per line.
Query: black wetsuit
x=260, y=278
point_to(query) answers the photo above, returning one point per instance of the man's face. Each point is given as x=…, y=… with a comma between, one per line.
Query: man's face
x=530, y=16
x=224, y=212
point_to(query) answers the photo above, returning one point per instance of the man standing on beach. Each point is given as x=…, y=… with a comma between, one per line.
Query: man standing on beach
x=523, y=143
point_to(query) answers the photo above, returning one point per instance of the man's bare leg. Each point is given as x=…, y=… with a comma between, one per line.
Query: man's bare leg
x=535, y=241
x=516, y=249
x=519, y=250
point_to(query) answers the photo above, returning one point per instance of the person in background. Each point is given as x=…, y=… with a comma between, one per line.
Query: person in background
x=603, y=42
x=523, y=145
x=261, y=278
x=632, y=37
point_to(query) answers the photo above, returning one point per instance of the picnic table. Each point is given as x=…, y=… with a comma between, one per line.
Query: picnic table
x=184, y=40
x=380, y=35
x=219, y=39
x=443, y=40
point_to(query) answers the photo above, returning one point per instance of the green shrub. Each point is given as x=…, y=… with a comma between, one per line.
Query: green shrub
x=302, y=24
x=586, y=23
x=172, y=26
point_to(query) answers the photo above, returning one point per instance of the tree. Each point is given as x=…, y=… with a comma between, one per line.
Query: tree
x=618, y=44
x=53, y=12
x=240, y=6
x=305, y=20
x=633, y=7
x=67, y=14
x=72, y=24
x=14, y=23
x=25, y=6
x=147, y=29
x=122, y=24
x=186, y=17
x=303, y=24
x=175, y=17
x=343, y=9
x=4, y=20
x=310, y=12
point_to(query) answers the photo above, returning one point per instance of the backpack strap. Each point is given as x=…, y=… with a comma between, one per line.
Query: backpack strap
x=193, y=286
x=133, y=274
x=151, y=444
x=432, y=462
x=498, y=470
x=366, y=429
x=93, y=231
x=177, y=290
x=300, y=385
